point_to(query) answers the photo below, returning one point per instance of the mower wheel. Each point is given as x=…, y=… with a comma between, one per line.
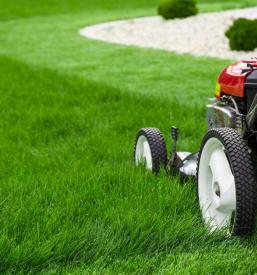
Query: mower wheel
x=150, y=149
x=226, y=181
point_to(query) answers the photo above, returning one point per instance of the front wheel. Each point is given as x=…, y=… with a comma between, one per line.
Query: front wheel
x=150, y=149
x=226, y=182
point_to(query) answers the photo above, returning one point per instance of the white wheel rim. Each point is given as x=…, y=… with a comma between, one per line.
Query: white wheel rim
x=216, y=186
x=143, y=153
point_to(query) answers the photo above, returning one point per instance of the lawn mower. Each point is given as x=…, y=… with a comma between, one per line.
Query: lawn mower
x=224, y=168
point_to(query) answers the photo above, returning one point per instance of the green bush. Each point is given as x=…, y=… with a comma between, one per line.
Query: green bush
x=170, y=9
x=242, y=35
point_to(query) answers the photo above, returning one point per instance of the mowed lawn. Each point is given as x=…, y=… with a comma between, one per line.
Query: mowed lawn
x=71, y=200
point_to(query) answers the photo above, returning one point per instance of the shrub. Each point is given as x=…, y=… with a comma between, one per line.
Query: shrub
x=177, y=8
x=242, y=35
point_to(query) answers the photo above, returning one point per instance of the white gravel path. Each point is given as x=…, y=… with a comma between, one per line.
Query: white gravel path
x=201, y=35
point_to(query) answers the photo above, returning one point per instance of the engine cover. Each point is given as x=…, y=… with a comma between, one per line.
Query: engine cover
x=233, y=78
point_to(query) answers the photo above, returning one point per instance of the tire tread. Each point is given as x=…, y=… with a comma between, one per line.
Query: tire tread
x=157, y=146
x=243, y=170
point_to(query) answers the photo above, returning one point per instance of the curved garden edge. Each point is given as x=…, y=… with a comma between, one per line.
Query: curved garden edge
x=200, y=35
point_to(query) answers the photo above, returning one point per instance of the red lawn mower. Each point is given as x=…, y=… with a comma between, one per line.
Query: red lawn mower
x=225, y=166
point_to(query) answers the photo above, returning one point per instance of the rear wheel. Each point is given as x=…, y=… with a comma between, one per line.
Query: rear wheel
x=150, y=149
x=226, y=180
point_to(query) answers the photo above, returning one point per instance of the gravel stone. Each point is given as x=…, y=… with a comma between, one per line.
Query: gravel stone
x=200, y=35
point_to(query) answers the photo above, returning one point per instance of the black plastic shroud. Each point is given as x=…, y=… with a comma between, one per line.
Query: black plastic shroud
x=250, y=88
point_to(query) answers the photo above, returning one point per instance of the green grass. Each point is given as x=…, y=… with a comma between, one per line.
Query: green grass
x=71, y=198
x=28, y=8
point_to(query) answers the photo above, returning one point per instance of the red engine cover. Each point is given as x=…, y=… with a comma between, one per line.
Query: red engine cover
x=232, y=78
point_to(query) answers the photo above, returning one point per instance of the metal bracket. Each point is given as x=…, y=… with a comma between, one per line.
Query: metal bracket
x=175, y=160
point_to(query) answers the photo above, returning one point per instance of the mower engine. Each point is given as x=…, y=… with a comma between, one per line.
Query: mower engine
x=225, y=165
x=235, y=93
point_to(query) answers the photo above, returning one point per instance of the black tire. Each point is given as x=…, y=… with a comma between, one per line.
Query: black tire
x=238, y=155
x=157, y=148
